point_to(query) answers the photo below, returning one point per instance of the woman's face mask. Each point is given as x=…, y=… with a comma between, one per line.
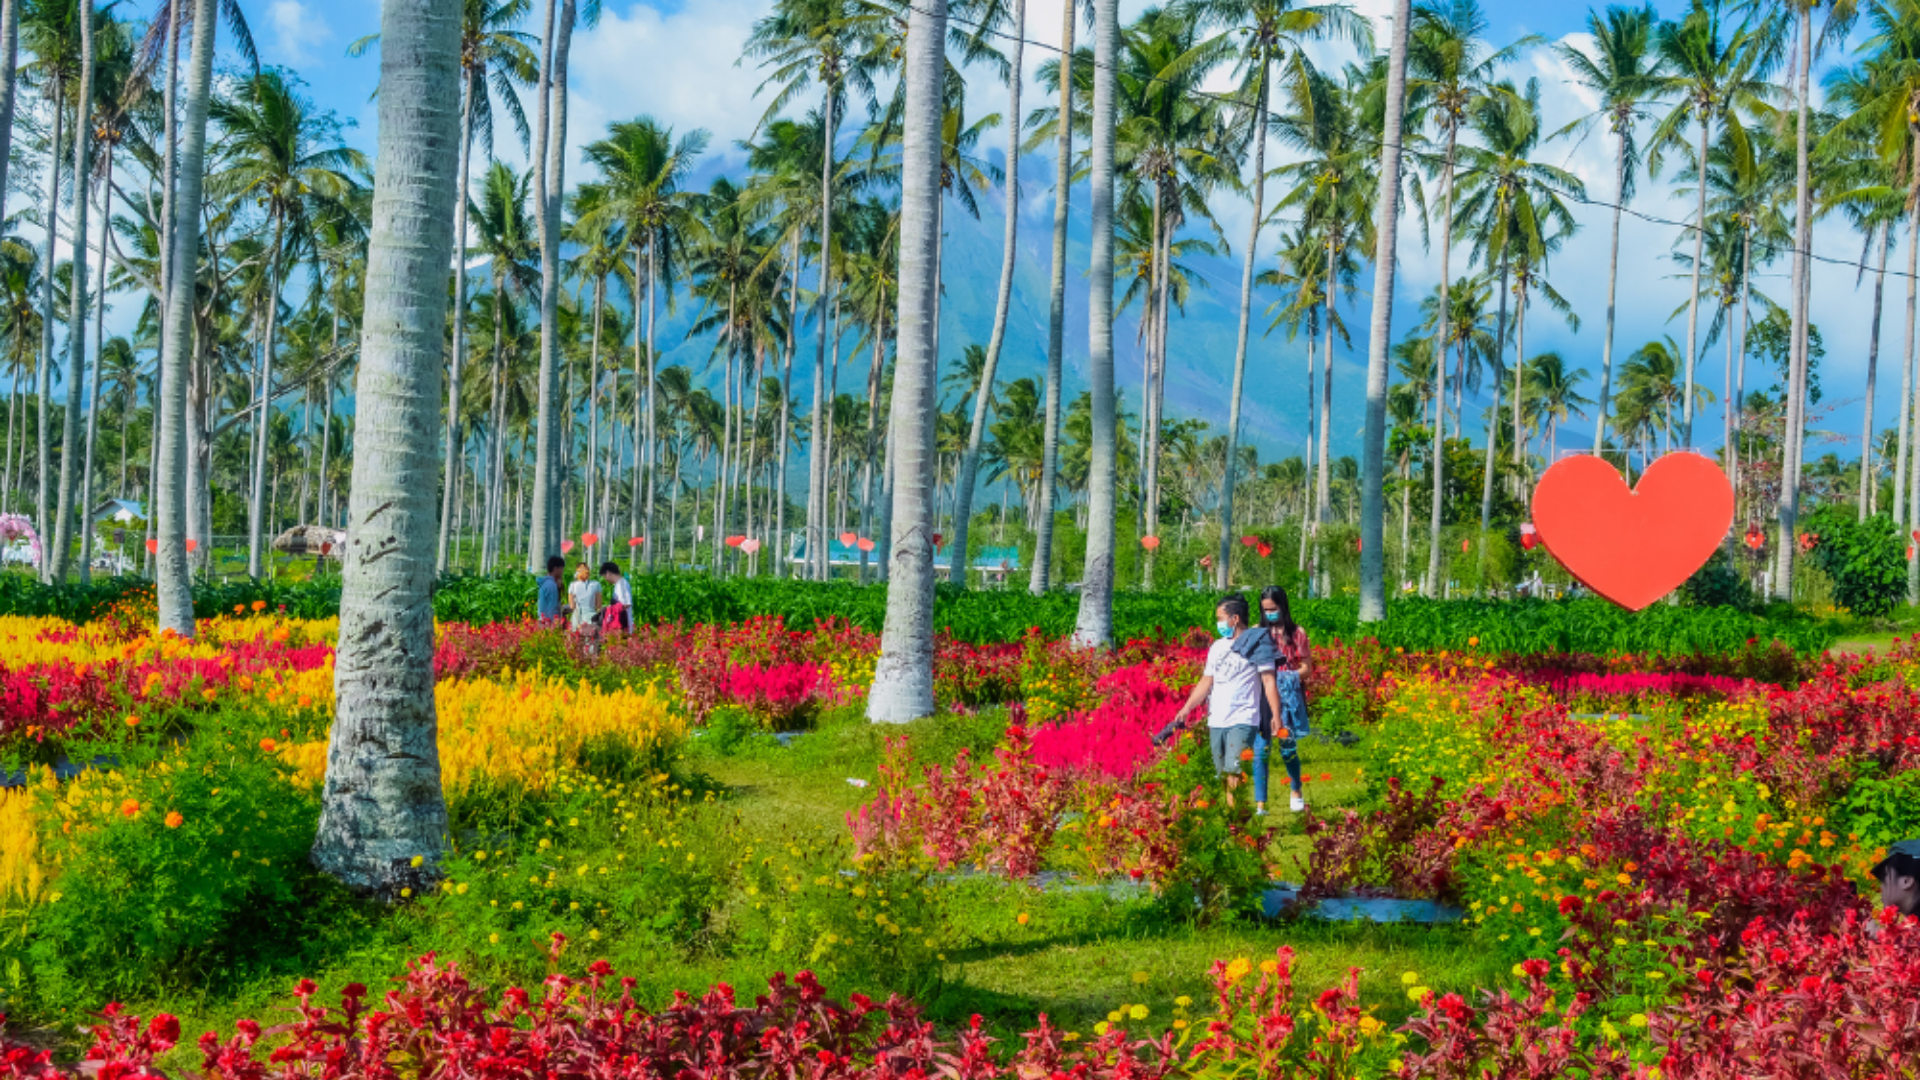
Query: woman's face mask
x=1223, y=629
x=1272, y=616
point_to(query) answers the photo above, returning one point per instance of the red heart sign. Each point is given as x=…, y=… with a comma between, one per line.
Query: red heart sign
x=1633, y=547
x=566, y=547
x=153, y=547
x=848, y=538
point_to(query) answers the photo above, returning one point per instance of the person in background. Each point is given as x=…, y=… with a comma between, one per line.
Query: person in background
x=1239, y=673
x=583, y=599
x=1289, y=722
x=618, y=596
x=1899, y=877
x=548, y=602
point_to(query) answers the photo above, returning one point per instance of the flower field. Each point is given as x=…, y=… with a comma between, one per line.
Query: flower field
x=1659, y=858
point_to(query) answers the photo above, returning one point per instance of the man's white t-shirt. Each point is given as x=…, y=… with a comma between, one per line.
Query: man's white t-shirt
x=1235, y=698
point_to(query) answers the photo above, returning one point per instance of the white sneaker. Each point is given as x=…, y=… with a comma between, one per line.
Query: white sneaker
x=1296, y=803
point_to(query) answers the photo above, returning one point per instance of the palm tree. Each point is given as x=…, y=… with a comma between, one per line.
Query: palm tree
x=383, y=817
x=830, y=41
x=56, y=568
x=1040, y=577
x=1003, y=296
x=1449, y=63
x=495, y=61
x=1094, y=625
x=1625, y=72
x=1714, y=76
x=1170, y=148
x=549, y=190
x=506, y=236
x=644, y=168
x=1513, y=208
x=1263, y=32
x=174, y=589
x=1551, y=393
x=1373, y=600
x=274, y=162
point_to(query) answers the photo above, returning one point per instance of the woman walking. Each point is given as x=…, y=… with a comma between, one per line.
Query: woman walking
x=1290, y=639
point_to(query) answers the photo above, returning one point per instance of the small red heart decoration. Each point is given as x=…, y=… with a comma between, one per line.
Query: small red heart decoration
x=635, y=541
x=1265, y=550
x=1249, y=541
x=864, y=544
x=566, y=547
x=589, y=539
x=1633, y=546
x=153, y=547
x=192, y=544
x=848, y=538
x=1149, y=542
x=736, y=541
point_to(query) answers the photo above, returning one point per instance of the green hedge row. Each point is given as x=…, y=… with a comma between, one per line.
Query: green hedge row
x=1524, y=626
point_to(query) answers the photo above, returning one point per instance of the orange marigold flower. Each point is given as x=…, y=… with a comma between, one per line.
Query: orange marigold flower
x=269, y=745
x=259, y=605
x=174, y=820
x=130, y=807
x=1246, y=755
x=133, y=720
x=1021, y=918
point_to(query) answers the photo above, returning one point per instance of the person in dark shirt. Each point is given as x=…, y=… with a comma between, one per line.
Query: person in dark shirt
x=548, y=606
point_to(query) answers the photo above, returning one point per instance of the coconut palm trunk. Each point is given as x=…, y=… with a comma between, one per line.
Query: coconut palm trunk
x=451, y=456
x=902, y=687
x=93, y=384
x=43, y=371
x=1873, y=370
x=1693, y=295
x=1094, y=626
x=71, y=459
x=816, y=444
x=383, y=818
x=173, y=576
x=1222, y=568
x=1003, y=300
x=1797, y=375
x=263, y=409
x=1040, y=577
x=1442, y=345
x=650, y=411
x=1613, y=283
x=1904, y=448
x=543, y=534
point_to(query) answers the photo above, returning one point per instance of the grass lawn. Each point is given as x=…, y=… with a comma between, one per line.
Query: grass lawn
x=1078, y=954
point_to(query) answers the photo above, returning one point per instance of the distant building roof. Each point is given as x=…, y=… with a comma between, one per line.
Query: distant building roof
x=121, y=510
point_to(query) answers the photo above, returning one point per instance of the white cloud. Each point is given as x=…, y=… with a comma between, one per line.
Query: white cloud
x=297, y=32
x=678, y=67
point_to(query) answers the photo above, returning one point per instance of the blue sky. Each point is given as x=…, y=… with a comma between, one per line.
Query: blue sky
x=676, y=61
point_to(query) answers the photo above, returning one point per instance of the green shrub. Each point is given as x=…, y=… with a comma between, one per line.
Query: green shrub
x=1866, y=560
x=190, y=873
x=879, y=924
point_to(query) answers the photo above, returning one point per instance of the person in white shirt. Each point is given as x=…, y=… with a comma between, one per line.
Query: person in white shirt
x=1240, y=667
x=583, y=601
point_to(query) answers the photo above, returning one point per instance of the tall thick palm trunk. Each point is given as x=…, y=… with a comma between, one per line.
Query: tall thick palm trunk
x=172, y=570
x=451, y=456
x=1223, y=568
x=383, y=818
x=1373, y=445
x=903, y=676
x=1041, y=575
x=1905, y=405
x=1094, y=626
x=1003, y=300
x=650, y=410
x=816, y=444
x=9, y=87
x=1442, y=342
x=71, y=458
x=543, y=533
